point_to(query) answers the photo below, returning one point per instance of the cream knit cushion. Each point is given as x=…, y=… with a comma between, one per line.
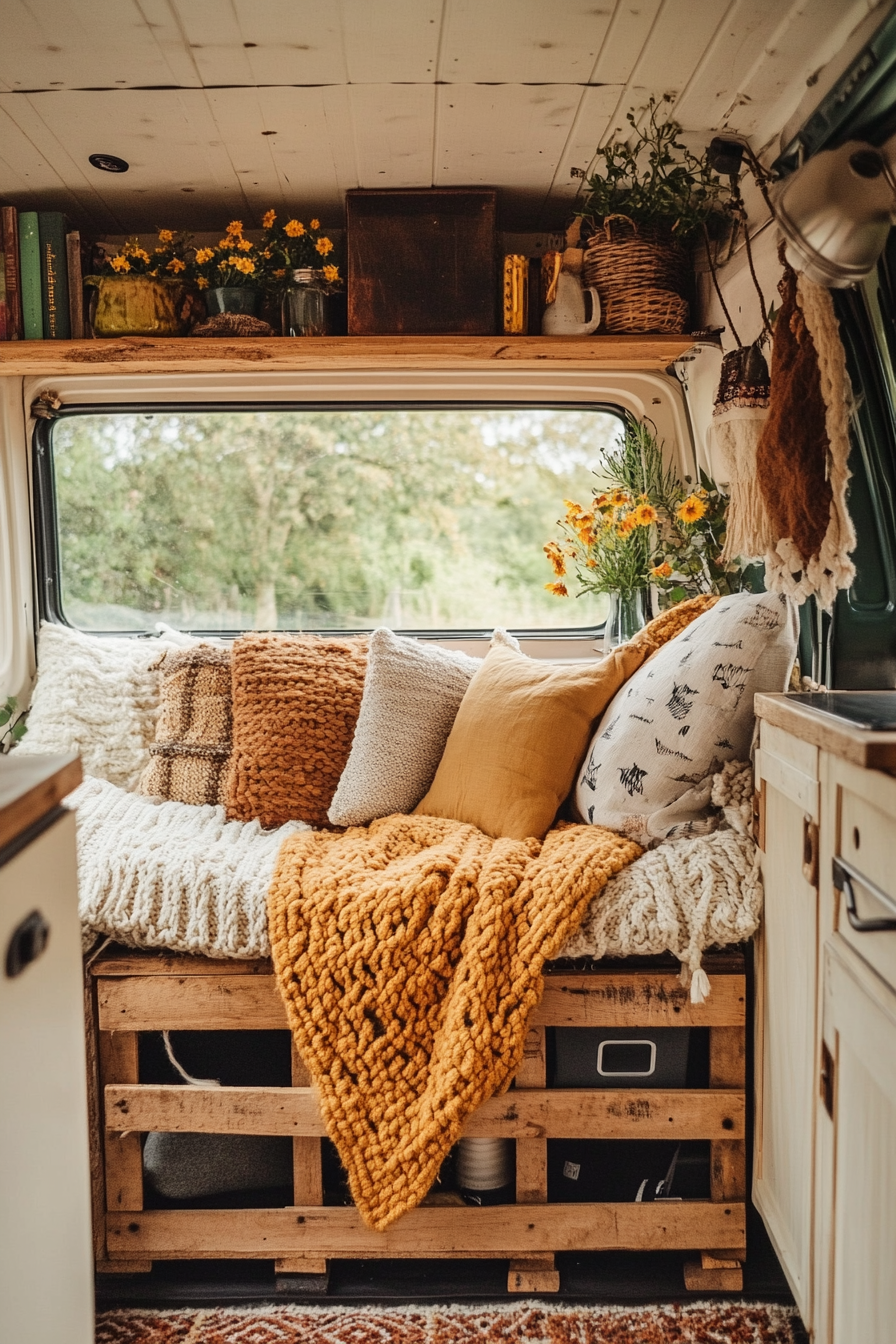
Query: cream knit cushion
x=98, y=696
x=685, y=712
x=412, y=692
x=173, y=875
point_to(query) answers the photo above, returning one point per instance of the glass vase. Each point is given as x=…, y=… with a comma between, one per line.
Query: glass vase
x=233, y=299
x=626, y=617
x=304, y=307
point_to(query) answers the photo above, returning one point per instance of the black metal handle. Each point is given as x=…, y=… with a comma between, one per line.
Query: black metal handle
x=844, y=876
x=26, y=944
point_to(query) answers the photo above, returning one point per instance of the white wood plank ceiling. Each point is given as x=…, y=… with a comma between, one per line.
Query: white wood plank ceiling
x=227, y=107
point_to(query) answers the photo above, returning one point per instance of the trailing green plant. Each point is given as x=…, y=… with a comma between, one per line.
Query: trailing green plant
x=13, y=724
x=654, y=179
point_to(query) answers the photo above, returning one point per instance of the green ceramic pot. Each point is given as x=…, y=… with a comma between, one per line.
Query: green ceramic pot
x=136, y=305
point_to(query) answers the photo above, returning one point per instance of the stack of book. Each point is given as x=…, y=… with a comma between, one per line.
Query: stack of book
x=42, y=294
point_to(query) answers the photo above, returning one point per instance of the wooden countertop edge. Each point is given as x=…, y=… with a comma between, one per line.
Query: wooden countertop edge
x=40, y=796
x=872, y=751
x=138, y=354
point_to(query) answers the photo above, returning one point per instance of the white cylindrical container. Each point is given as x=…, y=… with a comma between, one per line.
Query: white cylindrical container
x=484, y=1165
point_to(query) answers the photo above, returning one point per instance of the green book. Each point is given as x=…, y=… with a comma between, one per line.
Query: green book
x=29, y=255
x=54, y=275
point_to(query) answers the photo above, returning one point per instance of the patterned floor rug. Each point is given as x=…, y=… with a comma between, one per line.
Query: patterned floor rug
x=517, y=1323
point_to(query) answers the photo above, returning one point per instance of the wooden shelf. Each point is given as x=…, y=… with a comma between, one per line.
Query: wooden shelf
x=139, y=354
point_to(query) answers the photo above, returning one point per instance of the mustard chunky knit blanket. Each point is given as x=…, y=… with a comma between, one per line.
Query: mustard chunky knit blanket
x=409, y=954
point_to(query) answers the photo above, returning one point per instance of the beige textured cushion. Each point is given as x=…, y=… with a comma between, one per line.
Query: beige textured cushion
x=412, y=692
x=190, y=756
x=686, y=712
x=519, y=736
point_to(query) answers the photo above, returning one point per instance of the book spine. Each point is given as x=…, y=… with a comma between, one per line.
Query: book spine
x=29, y=258
x=54, y=275
x=9, y=225
x=75, y=285
x=4, y=323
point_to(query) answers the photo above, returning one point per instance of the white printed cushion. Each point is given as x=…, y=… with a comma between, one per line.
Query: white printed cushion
x=98, y=696
x=412, y=692
x=687, y=710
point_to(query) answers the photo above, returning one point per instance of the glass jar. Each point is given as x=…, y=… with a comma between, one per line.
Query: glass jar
x=626, y=617
x=304, y=309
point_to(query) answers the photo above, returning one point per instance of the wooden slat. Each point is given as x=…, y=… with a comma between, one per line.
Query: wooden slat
x=307, y=1171
x=537, y=1114
x=638, y=999
x=727, y=1156
x=531, y=1154
x=174, y=963
x=133, y=354
x=230, y=1002
x=124, y=1154
x=506, y=1232
x=872, y=751
x=539, y=1274
x=191, y=1003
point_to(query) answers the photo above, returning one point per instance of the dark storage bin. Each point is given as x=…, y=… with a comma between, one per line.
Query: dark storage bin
x=621, y=1057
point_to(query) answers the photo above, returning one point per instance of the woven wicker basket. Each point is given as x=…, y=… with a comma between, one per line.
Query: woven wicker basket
x=640, y=275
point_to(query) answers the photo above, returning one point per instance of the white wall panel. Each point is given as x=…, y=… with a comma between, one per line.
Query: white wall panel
x=393, y=132
x=98, y=44
x=629, y=31
x=275, y=42
x=524, y=42
x=391, y=40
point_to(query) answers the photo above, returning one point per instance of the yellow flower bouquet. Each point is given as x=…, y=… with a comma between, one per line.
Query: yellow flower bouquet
x=168, y=260
x=292, y=245
x=233, y=263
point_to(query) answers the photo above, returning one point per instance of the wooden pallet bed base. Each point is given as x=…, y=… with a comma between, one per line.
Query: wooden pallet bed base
x=151, y=992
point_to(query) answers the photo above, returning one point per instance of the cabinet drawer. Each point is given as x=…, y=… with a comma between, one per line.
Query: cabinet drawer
x=867, y=879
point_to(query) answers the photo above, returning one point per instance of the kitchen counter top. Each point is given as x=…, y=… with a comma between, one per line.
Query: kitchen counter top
x=873, y=751
x=30, y=787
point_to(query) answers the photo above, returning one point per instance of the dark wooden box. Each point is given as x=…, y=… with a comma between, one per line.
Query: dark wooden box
x=422, y=263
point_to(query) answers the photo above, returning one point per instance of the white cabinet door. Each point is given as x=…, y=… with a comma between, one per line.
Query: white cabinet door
x=46, y=1269
x=787, y=983
x=860, y=1032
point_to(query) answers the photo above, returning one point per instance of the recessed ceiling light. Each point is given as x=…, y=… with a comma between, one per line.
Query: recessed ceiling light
x=109, y=163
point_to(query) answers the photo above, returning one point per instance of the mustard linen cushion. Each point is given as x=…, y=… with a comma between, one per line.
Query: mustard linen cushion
x=519, y=737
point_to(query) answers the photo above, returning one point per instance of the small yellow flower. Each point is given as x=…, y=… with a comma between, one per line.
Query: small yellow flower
x=159, y=251
x=175, y=265
x=202, y=282
x=278, y=275
x=618, y=498
x=268, y=220
x=591, y=564
x=205, y=254
x=555, y=557
x=601, y=501
x=224, y=263
x=644, y=515
x=120, y=263
x=166, y=236
x=663, y=571
x=692, y=510
x=244, y=245
x=293, y=229
x=331, y=273
x=323, y=246
x=572, y=508
x=235, y=226
x=266, y=253
x=315, y=223
x=245, y=265
x=625, y=525
x=558, y=589
x=140, y=254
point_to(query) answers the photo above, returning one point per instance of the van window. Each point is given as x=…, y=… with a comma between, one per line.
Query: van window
x=226, y=519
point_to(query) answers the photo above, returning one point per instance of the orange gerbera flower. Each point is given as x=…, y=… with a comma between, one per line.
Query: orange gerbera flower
x=555, y=556
x=644, y=515
x=692, y=510
x=558, y=589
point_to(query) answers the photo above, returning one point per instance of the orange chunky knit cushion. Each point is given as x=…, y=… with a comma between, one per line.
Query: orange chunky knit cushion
x=295, y=706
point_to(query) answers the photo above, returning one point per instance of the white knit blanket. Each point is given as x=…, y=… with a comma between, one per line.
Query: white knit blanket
x=170, y=875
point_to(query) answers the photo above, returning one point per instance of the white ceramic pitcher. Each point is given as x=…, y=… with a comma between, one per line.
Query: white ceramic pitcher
x=566, y=315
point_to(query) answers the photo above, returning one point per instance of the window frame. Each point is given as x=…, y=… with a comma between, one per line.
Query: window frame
x=46, y=539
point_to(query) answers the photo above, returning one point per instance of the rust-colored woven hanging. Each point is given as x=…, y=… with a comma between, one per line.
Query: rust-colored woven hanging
x=640, y=274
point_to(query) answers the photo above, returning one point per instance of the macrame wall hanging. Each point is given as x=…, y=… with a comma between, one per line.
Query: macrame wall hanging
x=803, y=452
x=739, y=414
